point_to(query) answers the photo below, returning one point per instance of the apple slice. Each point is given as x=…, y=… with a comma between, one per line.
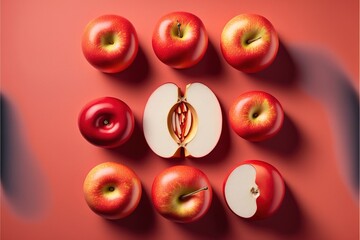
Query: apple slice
x=182, y=125
x=254, y=189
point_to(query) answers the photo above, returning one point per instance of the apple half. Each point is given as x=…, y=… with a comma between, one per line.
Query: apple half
x=180, y=124
x=254, y=189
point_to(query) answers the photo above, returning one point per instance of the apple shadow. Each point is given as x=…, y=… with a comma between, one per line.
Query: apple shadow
x=282, y=71
x=22, y=181
x=213, y=225
x=141, y=222
x=286, y=142
x=209, y=65
x=136, y=73
x=287, y=221
x=136, y=148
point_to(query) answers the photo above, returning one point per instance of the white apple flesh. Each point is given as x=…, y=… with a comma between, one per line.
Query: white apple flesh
x=176, y=124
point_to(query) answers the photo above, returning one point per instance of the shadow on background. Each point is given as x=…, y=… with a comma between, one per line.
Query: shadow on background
x=282, y=71
x=213, y=225
x=22, y=181
x=287, y=221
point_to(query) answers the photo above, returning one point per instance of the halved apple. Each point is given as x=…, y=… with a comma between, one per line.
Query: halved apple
x=177, y=124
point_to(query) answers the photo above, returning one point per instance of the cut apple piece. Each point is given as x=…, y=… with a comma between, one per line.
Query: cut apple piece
x=182, y=125
x=254, y=189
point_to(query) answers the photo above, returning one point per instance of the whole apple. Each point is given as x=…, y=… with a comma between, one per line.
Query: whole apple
x=106, y=122
x=180, y=39
x=181, y=193
x=254, y=189
x=249, y=42
x=112, y=190
x=110, y=43
x=256, y=116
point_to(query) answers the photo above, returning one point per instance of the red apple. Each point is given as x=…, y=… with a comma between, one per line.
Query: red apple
x=106, y=122
x=254, y=189
x=181, y=193
x=110, y=43
x=180, y=39
x=112, y=190
x=249, y=43
x=256, y=116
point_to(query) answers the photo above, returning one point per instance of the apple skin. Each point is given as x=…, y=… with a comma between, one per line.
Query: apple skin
x=174, y=182
x=256, y=116
x=110, y=43
x=180, y=52
x=112, y=190
x=106, y=122
x=271, y=185
x=249, y=43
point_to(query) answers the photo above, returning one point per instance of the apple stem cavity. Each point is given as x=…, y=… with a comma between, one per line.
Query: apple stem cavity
x=179, y=29
x=182, y=197
x=106, y=122
x=249, y=41
x=111, y=189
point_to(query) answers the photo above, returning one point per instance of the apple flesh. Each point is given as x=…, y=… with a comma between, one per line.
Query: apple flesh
x=177, y=124
x=256, y=116
x=110, y=43
x=181, y=194
x=249, y=42
x=106, y=122
x=254, y=189
x=180, y=39
x=112, y=190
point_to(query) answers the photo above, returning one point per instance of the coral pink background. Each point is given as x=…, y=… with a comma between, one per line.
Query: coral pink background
x=45, y=80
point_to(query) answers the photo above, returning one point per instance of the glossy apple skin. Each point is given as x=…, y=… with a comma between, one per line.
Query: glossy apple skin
x=245, y=56
x=113, y=133
x=271, y=185
x=110, y=43
x=268, y=122
x=180, y=52
x=176, y=181
x=115, y=203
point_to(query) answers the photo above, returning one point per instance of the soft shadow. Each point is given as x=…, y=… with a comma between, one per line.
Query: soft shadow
x=141, y=222
x=137, y=72
x=286, y=142
x=210, y=65
x=282, y=71
x=213, y=225
x=288, y=220
x=21, y=178
x=136, y=148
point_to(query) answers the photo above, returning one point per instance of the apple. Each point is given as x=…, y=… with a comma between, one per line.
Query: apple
x=110, y=43
x=254, y=189
x=256, y=116
x=181, y=193
x=249, y=42
x=106, y=122
x=177, y=124
x=180, y=39
x=112, y=190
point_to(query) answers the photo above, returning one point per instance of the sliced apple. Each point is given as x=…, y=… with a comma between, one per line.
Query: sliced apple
x=254, y=189
x=182, y=125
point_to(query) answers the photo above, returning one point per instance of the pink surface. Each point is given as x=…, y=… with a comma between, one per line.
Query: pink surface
x=45, y=81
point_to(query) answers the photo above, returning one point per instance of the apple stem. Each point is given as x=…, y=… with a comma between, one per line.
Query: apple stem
x=253, y=40
x=105, y=122
x=192, y=193
x=179, y=30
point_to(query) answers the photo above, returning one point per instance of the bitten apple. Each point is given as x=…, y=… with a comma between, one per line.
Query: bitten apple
x=256, y=116
x=181, y=193
x=179, y=124
x=112, y=190
x=110, y=43
x=106, y=122
x=249, y=42
x=180, y=39
x=254, y=189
